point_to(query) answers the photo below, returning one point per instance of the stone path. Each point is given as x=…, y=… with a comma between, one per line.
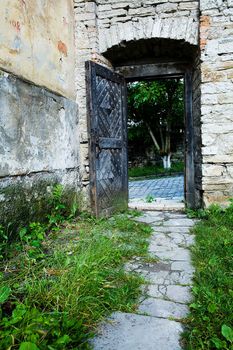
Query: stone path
x=164, y=194
x=164, y=302
x=167, y=187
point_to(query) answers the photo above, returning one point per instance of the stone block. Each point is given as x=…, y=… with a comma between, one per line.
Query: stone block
x=136, y=332
x=163, y=308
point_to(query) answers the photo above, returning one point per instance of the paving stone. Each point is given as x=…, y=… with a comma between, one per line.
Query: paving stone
x=176, y=293
x=181, y=254
x=170, y=215
x=163, y=308
x=177, y=238
x=168, y=229
x=179, y=278
x=179, y=294
x=182, y=239
x=182, y=266
x=136, y=332
x=154, y=248
x=162, y=240
x=157, y=277
x=179, y=223
x=155, y=291
x=167, y=277
x=149, y=219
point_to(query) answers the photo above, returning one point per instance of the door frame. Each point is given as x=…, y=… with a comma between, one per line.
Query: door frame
x=167, y=70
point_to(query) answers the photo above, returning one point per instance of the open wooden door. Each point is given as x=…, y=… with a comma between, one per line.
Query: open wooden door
x=107, y=119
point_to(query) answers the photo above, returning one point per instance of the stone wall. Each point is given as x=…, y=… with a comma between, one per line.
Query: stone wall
x=123, y=21
x=39, y=147
x=216, y=41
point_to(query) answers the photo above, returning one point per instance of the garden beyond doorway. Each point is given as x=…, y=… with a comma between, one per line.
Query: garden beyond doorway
x=156, y=147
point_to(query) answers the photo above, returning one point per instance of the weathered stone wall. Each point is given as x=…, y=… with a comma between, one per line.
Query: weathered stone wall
x=39, y=147
x=216, y=41
x=86, y=42
x=37, y=42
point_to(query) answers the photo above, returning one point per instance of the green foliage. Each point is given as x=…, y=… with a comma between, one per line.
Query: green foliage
x=156, y=170
x=4, y=293
x=34, y=234
x=30, y=328
x=150, y=198
x=55, y=302
x=57, y=215
x=160, y=105
x=28, y=346
x=3, y=241
x=211, y=320
x=197, y=214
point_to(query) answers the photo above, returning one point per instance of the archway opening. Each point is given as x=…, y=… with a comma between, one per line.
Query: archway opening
x=174, y=60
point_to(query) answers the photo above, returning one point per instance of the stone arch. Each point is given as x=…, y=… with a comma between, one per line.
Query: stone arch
x=178, y=28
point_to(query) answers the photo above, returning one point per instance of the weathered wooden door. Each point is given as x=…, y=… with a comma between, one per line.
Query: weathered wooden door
x=107, y=119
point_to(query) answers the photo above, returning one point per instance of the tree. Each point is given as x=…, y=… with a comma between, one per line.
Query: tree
x=157, y=108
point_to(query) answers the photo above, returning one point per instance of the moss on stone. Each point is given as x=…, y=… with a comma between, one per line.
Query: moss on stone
x=22, y=204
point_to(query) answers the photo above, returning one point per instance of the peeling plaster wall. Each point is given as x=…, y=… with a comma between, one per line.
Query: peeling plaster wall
x=39, y=125
x=37, y=42
x=38, y=129
x=39, y=146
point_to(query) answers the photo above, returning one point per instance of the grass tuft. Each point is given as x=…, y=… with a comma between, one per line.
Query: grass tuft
x=156, y=171
x=210, y=324
x=55, y=301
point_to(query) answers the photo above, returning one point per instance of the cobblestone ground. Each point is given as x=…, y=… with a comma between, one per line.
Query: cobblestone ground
x=167, y=187
x=164, y=302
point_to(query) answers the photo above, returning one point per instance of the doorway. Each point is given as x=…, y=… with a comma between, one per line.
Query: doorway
x=156, y=143
x=107, y=118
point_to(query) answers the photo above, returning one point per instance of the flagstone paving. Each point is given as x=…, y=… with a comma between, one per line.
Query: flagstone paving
x=164, y=302
x=166, y=187
x=157, y=194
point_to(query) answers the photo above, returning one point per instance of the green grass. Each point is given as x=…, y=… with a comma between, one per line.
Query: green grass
x=156, y=170
x=57, y=298
x=210, y=324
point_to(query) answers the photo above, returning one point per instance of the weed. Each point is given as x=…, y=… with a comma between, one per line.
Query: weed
x=150, y=199
x=197, y=214
x=58, y=212
x=3, y=241
x=133, y=213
